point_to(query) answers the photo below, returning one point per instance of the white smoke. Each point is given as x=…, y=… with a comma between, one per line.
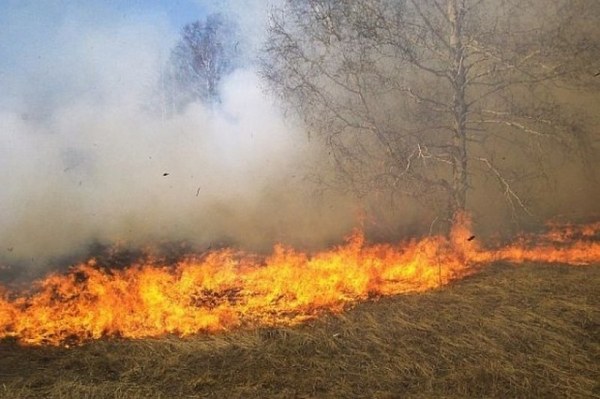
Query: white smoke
x=84, y=156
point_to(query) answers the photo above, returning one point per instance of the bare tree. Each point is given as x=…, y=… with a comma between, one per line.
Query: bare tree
x=428, y=98
x=206, y=52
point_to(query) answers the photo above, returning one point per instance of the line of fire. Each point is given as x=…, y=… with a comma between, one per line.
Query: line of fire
x=226, y=289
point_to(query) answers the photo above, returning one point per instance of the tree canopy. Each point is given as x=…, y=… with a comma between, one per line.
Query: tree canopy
x=430, y=98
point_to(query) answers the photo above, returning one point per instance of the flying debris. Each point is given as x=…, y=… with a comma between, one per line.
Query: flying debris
x=165, y=174
x=471, y=238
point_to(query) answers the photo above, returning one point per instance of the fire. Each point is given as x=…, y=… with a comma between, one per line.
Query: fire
x=226, y=289
x=562, y=243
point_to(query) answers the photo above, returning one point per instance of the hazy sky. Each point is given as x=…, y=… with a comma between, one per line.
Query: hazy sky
x=36, y=36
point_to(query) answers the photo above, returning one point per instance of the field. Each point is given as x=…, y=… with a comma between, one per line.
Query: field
x=509, y=331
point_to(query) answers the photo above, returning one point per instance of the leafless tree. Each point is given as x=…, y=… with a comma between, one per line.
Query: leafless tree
x=427, y=98
x=207, y=51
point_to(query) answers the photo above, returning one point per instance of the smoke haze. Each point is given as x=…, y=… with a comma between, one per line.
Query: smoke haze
x=85, y=156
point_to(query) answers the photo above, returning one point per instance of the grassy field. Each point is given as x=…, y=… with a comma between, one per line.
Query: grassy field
x=524, y=331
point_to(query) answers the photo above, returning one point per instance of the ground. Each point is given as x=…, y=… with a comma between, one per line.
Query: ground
x=509, y=331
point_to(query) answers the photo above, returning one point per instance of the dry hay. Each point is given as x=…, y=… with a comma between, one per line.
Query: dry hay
x=526, y=331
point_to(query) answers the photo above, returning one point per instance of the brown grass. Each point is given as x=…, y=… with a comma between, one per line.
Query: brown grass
x=527, y=331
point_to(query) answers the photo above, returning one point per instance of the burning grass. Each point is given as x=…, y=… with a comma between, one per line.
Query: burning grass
x=225, y=290
x=221, y=291
x=509, y=331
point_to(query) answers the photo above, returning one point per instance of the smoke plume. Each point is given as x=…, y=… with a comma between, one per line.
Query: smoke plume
x=87, y=157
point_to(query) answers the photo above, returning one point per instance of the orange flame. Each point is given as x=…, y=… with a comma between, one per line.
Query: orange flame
x=227, y=290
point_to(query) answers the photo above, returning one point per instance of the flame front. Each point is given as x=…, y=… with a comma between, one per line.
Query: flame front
x=226, y=290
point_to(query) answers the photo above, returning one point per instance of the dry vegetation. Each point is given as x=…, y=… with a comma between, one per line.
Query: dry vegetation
x=527, y=331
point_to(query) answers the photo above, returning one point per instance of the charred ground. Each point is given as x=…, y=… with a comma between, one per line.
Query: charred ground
x=509, y=331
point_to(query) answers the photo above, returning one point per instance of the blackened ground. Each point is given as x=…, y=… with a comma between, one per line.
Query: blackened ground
x=510, y=331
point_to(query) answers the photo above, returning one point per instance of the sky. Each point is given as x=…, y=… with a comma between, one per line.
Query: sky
x=35, y=35
x=30, y=24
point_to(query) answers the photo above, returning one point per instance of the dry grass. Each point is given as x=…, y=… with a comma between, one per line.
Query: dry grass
x=528, y=331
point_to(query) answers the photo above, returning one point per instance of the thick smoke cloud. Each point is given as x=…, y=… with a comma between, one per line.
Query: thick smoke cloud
x=86, y=157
